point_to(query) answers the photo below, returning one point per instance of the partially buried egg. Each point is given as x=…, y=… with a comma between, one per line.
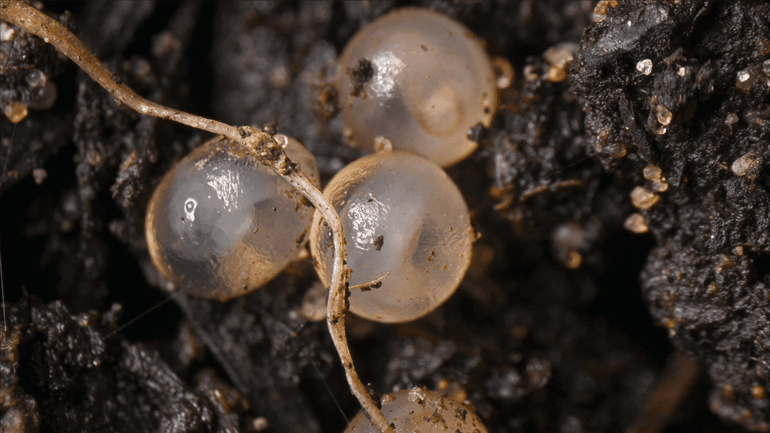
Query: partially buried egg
x=421, y=410
x=221, y=224
x=419, y=79
x=405, y=219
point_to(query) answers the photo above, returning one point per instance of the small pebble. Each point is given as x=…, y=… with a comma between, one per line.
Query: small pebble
x=530, y=73
x=259, y=424
x=742, y=165
x=663, y=115
x=504, y=72
x=6, y=32
x=746, y=78
x=643, y=199
x=15, y=112
x=635, y=223
x=559, y=58
x=652, y=172
x=600, y=11
x=659, y=185
x=36, y=78
x=40, y=175
x=644, y=67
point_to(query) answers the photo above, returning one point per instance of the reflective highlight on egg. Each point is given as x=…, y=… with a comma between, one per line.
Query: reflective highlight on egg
x=402, y=215
x=428, y=81
x=424, y=411
x=221, y=224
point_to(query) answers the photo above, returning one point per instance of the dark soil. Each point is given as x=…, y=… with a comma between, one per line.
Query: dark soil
x=567, y=319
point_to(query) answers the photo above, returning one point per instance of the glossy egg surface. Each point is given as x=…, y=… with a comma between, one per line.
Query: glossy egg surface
x=428, y=82
x=402, y=215
x=220, y=224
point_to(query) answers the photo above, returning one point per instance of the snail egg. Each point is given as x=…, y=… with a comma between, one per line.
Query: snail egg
x=426, y=81
x=402, y=215
x=421, y=410
x=221, y=224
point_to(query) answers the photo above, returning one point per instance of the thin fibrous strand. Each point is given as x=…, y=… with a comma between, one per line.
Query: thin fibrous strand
x=335, y=307
x=8, y=154
x=329, y=390
x=37, y=23
x=2, y=281
x=130, y=322
x=370, y=283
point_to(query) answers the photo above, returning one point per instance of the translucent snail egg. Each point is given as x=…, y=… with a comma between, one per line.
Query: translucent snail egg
x=220, y=224
x=402, y=217
x=421, y=410
x=428, y=81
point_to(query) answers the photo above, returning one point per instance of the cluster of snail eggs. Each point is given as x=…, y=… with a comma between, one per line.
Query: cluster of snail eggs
x=419, y=79
x=421, y=410
x=221, y=224
x=404, y=219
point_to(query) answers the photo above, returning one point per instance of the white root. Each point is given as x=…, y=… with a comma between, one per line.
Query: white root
x=335, y=308
x=260, y=144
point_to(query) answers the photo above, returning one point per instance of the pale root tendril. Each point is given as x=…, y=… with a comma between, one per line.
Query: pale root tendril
x=260, y=144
